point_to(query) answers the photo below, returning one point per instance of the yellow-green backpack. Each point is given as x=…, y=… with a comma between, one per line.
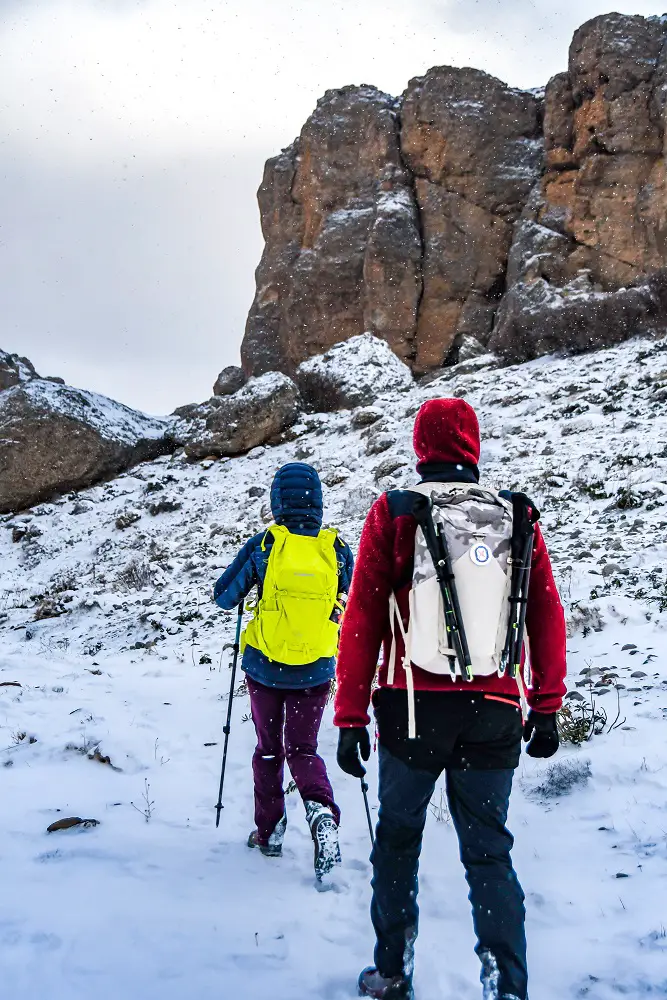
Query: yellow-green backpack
x=292, y=620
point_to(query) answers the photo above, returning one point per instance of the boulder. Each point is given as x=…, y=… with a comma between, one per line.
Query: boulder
x=539, y=318
x=366, y=416
x=231, y=425
x=360, y=499
x=353, y=373
x=54, y=438
x=229, y=381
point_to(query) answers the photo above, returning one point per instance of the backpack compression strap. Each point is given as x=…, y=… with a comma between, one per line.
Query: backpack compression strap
x=394, y=613
x=524, y=517
x=436, y=543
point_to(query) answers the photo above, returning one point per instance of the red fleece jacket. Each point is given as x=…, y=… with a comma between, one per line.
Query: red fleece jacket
x=445, y=431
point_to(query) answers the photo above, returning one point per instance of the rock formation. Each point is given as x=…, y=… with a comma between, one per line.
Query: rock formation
x=230, y=424
x=427, y=220
x=464, y=217
x=343, y=249
x=597, y=221
x=54, y=438
x=604, y=186
x=14, y=370
x=229, y=381
x=475, y=150
x=350, y=374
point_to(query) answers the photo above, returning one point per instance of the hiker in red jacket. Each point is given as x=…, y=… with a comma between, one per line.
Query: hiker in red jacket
x=430, y=722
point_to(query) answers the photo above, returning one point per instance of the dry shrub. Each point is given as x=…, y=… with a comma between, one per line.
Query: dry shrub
x=137, y=575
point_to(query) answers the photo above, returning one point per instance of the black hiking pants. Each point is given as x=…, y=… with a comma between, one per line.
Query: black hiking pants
x=476, y=741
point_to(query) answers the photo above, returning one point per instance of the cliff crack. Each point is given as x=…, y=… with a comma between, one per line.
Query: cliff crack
x=410, y=180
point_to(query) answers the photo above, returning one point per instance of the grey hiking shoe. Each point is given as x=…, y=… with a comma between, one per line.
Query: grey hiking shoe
x=324, y=831
x=274, y=847
x=373, y=984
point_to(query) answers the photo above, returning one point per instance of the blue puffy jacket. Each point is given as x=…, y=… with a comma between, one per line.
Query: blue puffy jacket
x=296, y=502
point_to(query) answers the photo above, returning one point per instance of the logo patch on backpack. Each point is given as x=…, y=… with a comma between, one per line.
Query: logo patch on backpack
x=480, y=554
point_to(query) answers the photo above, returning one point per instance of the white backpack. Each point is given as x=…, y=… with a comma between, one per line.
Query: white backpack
x=477, y=526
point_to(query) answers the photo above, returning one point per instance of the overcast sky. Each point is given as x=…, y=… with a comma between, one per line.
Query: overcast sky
x=134, y=134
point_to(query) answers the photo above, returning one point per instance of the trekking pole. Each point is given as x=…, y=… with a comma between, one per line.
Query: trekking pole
x=513, y=649
x=517, y=596
x=364, y=792
x=515, y=663
x=227, y=727
x=463, y=652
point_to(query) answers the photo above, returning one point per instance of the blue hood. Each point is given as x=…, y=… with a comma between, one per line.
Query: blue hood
x=296, y=498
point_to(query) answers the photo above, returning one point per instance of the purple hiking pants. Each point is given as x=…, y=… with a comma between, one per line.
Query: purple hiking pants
x=287, y=722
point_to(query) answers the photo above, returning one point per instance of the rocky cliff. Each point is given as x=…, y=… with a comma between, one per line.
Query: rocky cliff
x=467, y=215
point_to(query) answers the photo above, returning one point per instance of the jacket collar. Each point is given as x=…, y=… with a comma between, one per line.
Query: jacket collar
x=447, y=472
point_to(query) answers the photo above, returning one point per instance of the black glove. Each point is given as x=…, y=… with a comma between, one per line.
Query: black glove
x=540, y=732
x=351, y=743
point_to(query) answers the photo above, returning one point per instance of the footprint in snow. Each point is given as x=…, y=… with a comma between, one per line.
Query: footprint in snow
x=41, y=941
x=45, y=942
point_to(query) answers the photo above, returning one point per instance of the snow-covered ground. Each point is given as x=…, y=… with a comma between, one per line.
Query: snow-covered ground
x=107, y=625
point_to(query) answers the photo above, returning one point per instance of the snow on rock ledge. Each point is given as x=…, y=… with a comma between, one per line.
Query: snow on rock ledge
x=537, y=318
x=14, y=370
x=230, y=425
x=351, y=374
x=54, y=438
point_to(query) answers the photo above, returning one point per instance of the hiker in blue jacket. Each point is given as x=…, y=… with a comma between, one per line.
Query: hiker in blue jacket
x=288, y=701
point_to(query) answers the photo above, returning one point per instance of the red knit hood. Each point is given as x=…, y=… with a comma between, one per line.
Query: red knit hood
x=446, y=430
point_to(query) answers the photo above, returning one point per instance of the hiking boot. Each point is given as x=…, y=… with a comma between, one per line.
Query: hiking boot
x=274, y=847
x=324, y=831
x=373, y=984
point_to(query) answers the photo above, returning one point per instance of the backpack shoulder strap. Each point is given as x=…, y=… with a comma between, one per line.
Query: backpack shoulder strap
x=400, y=502
x=525, y=516
x=278, y=531
x=328, y=535
x=279, y=534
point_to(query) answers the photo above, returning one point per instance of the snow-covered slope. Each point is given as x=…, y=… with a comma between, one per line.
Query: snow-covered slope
x=107, y=625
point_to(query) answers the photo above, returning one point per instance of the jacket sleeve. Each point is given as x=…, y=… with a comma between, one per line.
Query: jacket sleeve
x=545, y=625
x=238, y=579
x=366, y=618
x=345, y=566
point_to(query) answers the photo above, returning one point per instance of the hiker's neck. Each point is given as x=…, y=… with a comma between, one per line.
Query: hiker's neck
x=447, y=472
x=301, y=522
